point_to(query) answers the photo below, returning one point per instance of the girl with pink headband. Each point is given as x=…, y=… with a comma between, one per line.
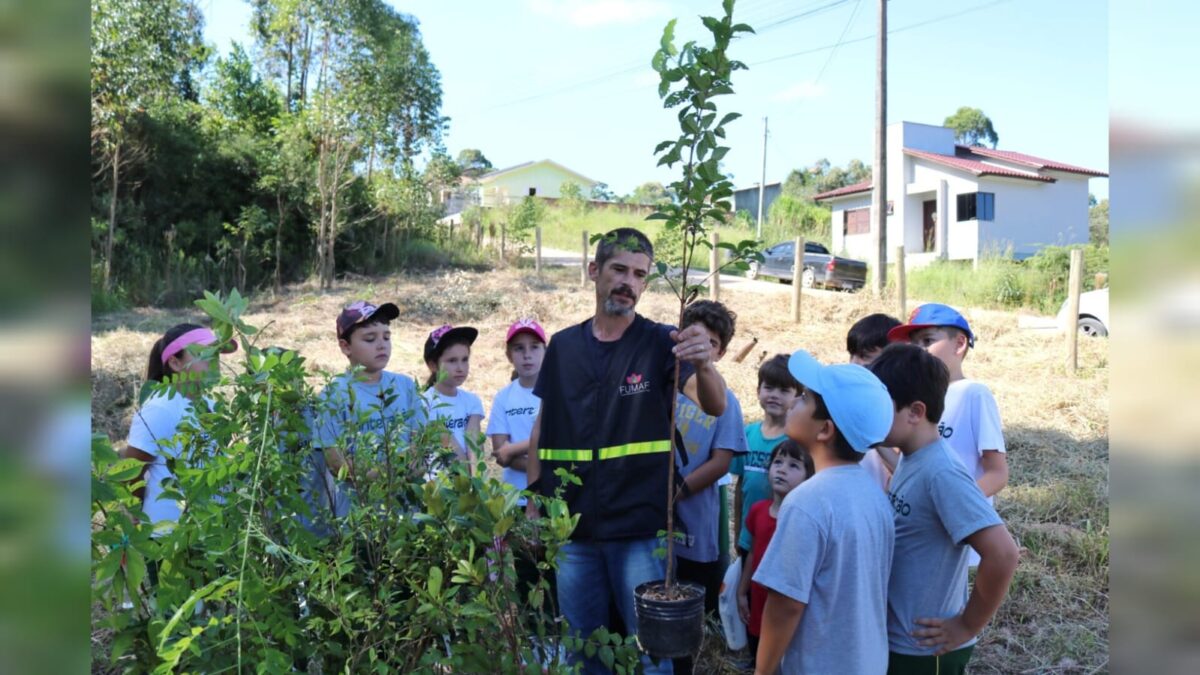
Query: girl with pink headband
x=152, y=431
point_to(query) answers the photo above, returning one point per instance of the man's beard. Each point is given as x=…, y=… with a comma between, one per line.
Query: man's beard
x=613, y=308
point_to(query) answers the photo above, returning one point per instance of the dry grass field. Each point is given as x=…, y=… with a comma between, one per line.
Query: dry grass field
x=1056, y=423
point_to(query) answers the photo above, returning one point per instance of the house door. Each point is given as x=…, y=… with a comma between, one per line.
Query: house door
x=929, y=226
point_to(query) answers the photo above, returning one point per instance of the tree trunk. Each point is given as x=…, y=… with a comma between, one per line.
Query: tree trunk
x=112, y=219
x=278, y=279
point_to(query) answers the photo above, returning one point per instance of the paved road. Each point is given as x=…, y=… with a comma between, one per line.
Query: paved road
x=552, y=256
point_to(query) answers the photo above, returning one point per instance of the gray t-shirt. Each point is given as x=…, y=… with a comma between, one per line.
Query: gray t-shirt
x=358, y=416
x=937, y=506
x=702, y=433
x=832, y=550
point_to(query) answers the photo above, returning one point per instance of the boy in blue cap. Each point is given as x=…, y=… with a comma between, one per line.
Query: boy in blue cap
x=971, y=421
x=932, y=625
x=826, y=569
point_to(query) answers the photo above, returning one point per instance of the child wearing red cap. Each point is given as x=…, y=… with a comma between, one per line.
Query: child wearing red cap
x=516, y=407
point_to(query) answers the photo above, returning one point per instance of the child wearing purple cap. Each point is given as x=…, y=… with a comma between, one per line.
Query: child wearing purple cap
x=516, y=406
x=177, y=358
x=970, y=423
x=448, y=357
x=364, y=409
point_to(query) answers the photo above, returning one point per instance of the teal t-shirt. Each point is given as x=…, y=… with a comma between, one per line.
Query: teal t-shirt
x=752, y=468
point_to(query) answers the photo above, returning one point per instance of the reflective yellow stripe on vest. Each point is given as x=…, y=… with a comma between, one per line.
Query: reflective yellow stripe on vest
x=564, y=455
x=614, y=452
x=643, y=448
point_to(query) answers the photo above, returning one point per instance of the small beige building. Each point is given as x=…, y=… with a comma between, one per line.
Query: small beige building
x=537, y=179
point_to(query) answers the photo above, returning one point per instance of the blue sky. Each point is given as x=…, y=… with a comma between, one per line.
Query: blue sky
x=570, y=80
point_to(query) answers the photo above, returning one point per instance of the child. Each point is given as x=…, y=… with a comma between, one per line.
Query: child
x=866, y=339
x=708, y=445
x=790, y=466
x=932, y=626
x=448, y=357
x=826, y=569
x=176, y=358
x=367, y=407
x=515, y=407
x=776, y=391
x=971, y=421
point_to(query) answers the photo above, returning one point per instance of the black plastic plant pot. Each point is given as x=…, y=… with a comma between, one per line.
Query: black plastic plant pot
x=669, y=629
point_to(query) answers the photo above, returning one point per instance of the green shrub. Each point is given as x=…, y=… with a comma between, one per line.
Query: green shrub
x=1038, y=283
x=419, y=577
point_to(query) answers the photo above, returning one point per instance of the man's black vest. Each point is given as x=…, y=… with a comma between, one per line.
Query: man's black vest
x=611, y=432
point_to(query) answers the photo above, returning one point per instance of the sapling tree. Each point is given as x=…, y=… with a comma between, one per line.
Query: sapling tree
x=691, y=78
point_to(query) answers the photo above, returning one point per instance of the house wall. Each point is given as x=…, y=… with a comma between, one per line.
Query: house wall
x=513, y=186
x=855, y=245
x=1028, y=214
x=746, y=199
x=1031, y=215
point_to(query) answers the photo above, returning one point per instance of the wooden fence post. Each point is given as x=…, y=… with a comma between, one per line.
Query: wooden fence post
x=503, y=239
x=1074, y=287
x=901, y=284
x=583, y=277
x=537, y=239
x=479, y=236
x=797, y=275
x=714, y=262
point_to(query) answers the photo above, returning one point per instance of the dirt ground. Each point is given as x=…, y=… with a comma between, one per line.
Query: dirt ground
x=1056, y=423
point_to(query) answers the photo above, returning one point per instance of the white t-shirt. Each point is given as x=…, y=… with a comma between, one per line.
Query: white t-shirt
x=453, y=411
x=971, y=424
x=152, y=431
x=513, y=412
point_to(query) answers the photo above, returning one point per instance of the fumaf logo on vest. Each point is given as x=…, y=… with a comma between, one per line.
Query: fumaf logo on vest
x=634, y=384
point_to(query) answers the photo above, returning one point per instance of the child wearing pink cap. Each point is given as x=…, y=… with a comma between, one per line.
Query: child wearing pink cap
x=178, y=358
x=516, y=407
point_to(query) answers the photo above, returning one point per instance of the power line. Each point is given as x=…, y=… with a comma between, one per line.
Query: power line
x=937, y=19
x=833, y=52
x=783, y=21
x=638, y=65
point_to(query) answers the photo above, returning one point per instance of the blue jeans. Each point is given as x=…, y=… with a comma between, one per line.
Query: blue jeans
x=590, y=573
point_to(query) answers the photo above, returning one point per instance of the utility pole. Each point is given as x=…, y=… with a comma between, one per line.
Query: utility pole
x=879, y=170
x=762, y=183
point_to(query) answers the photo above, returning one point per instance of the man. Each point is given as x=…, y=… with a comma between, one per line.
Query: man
x=606, y=394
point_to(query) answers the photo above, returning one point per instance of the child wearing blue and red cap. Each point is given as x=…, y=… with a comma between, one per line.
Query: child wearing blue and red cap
x=970, y=423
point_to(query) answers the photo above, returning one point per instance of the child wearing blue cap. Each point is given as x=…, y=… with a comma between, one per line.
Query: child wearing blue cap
x=939, y=511
x=826, y=569
x=971, y=421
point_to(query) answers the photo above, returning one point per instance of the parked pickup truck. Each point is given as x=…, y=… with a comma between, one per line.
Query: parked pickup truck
x=820, y=268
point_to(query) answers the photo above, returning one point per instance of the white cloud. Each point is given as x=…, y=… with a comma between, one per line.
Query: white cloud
x=801, y=91
x=589, y=13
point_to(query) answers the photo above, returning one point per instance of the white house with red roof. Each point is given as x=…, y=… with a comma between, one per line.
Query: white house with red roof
x=953, y=202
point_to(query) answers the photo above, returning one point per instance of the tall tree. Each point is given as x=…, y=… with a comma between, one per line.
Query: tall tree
x=142, y=54
x=972, y=127
x=473, y=163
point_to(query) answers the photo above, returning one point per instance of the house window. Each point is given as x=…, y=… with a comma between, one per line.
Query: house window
x=533, y=192
x=976, y=206
x=856, y=221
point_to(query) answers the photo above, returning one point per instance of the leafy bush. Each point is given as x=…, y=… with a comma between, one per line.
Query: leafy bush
x=1038, y=283
x=419, y=577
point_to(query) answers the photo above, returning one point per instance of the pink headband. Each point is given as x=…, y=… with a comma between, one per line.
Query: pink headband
x=195, y=336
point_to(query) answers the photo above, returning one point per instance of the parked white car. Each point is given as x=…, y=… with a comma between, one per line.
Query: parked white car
x=1093, y=313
